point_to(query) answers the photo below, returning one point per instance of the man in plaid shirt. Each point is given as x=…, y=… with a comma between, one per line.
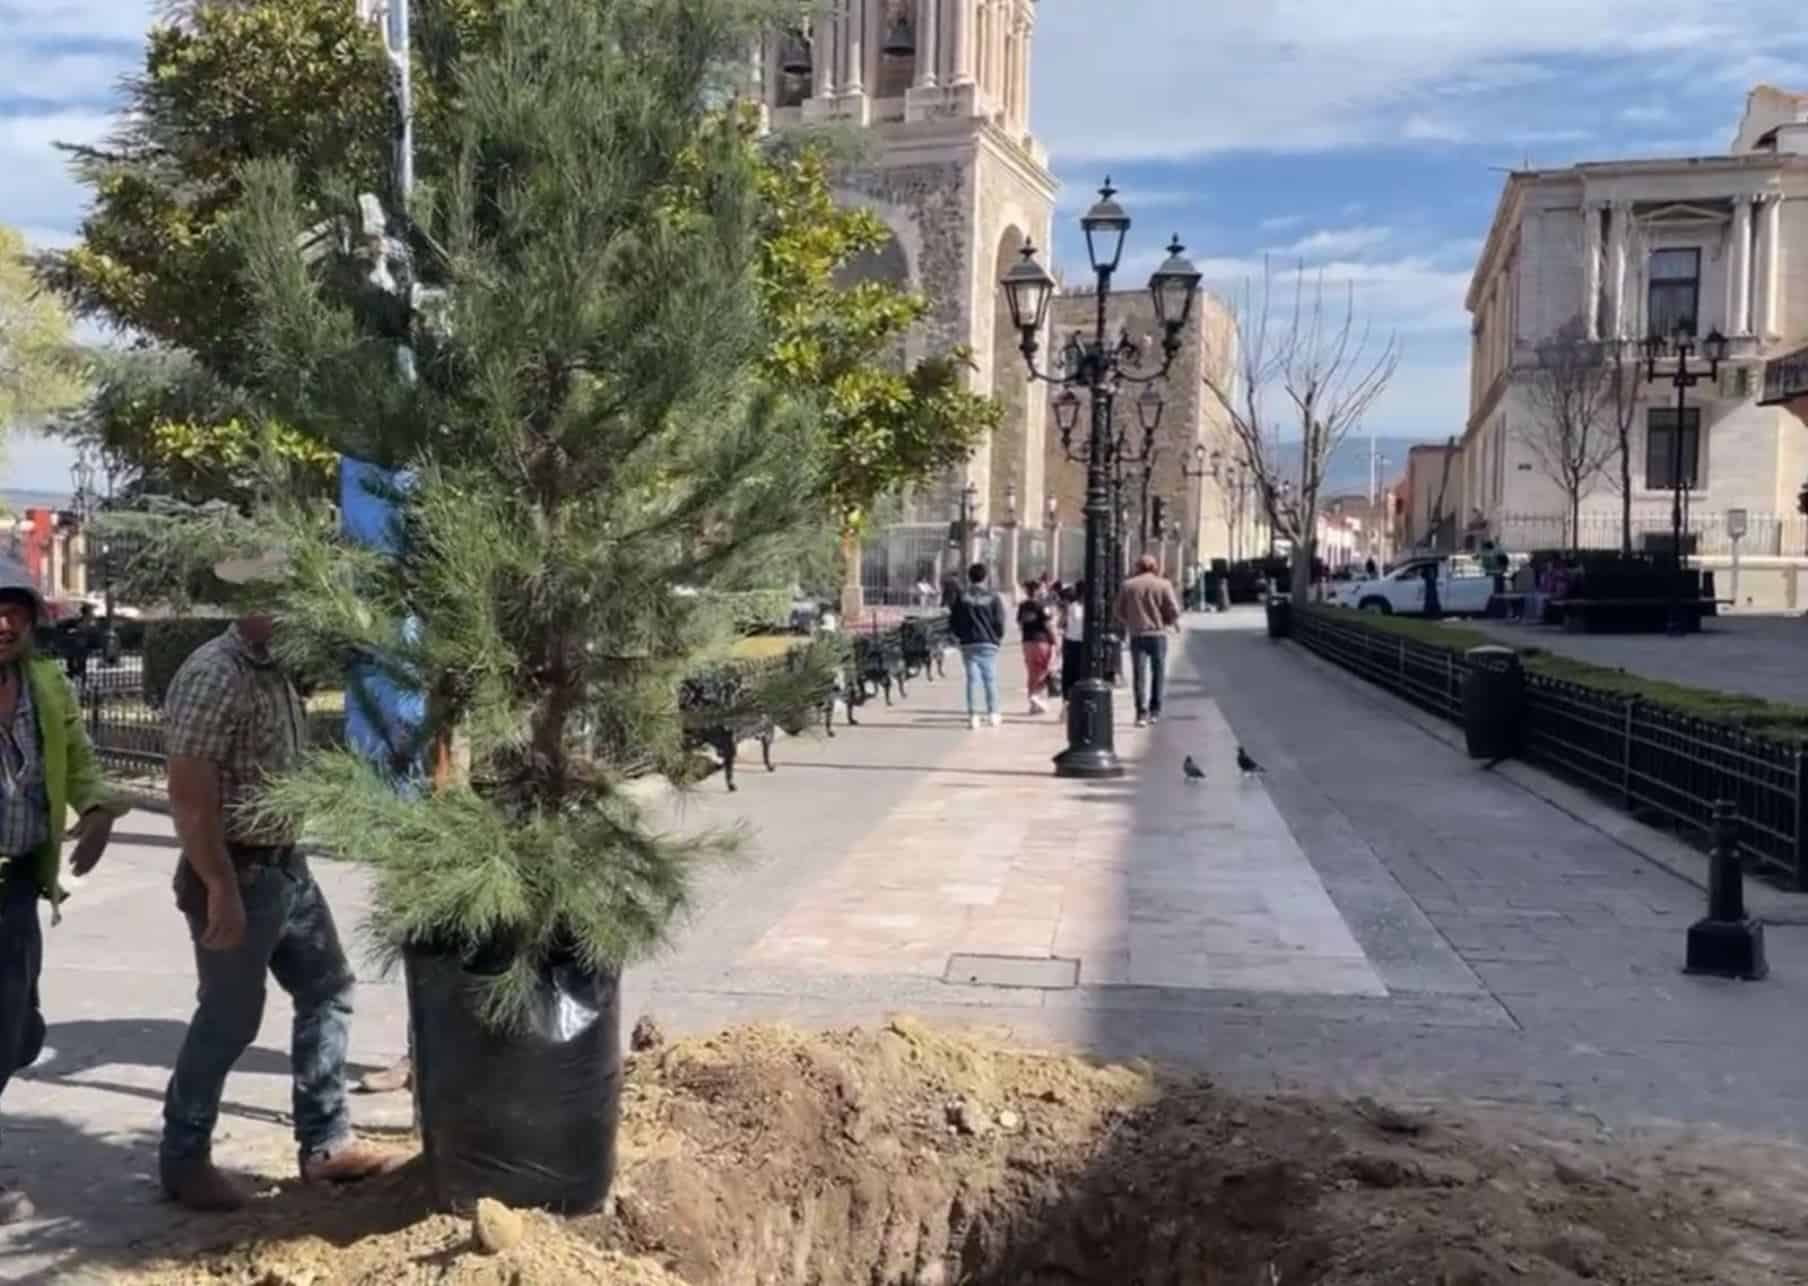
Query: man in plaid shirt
x=232, y=719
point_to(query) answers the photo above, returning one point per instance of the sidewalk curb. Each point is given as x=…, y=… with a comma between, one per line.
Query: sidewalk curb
x=1666, y=852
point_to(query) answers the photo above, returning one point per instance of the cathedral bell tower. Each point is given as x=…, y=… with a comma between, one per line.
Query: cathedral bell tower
x=942, y=89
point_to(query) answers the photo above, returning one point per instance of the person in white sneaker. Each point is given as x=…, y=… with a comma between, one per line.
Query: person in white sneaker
x=976, y=616
x=1038, y=631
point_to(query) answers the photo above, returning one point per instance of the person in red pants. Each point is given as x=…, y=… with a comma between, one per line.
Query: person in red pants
x=1038, y=630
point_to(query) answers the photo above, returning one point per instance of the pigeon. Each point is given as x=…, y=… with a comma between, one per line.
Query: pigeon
x=1247, y=764
x=1191, y=771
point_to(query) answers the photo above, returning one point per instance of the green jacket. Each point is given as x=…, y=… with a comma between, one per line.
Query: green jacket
x=72, y=774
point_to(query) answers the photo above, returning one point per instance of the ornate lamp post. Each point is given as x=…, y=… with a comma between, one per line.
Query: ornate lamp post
x=1100, y=366
x=1684, y=377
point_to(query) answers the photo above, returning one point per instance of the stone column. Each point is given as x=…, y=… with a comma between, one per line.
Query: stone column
x=1738, y=268
x=1619, y=218
x=1001, y=29
x=854, y=46
x=822, y=51
x=1025, y=39
x=1771, y=234
x=962, y=16
x=929, y=44
x=1591, y=270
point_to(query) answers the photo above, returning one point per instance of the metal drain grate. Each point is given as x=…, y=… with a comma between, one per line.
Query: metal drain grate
x=1041, y=973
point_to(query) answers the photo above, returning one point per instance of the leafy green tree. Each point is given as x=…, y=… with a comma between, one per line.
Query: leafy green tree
x=590, y=439
x=40, y=369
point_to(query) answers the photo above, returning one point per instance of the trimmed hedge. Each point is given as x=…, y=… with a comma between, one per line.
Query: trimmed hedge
x=167, y=644
x=1748, y=714
x=755, y=611
x=169, y=640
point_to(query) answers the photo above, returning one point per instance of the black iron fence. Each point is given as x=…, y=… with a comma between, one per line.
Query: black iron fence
x=1660, y=765
x=127, y=731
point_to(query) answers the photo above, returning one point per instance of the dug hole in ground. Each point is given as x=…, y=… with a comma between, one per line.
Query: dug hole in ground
x=912, y=1156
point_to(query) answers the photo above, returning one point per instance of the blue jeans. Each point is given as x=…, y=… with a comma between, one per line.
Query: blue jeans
x=1148, y=666
x=289, y=932
x=981, y=663
x=21, y=957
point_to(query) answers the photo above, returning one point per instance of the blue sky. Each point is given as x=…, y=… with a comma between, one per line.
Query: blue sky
x=1362, y=136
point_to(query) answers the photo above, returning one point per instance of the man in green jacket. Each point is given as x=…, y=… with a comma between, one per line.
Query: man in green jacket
x=47, y=770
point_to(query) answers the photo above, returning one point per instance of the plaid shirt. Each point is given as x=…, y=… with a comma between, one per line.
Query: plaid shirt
x=234, y=706
x=24, y=796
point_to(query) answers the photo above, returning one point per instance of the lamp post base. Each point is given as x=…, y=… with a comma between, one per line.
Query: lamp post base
x=1091, y=746
x=1727, y=948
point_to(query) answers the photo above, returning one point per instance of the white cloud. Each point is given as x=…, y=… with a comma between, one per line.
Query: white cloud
x=1646, y=114
x=1078, y=192
x=1330, y=243
x=1282, y=222
x=58, y=77
x=1292, y=75
x=1406, y=296
x=1420, y=128
x=46, y=20
x=39, y=191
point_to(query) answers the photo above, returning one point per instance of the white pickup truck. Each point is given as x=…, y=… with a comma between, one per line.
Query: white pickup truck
x=1463, y=588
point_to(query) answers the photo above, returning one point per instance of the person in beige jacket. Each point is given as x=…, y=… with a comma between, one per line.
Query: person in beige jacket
x=1146, y=609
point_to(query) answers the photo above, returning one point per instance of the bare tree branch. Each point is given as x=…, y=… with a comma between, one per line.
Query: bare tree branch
x=1570, y=396
x=1328, y=368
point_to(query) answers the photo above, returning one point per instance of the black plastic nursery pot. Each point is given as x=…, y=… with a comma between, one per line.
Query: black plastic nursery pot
x=527, y=1114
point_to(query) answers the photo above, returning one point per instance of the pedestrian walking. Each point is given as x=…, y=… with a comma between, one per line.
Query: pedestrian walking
x=1073, y=636
x=976, y=616
x=232, y=719
x=1147, y=609
x=1037, y=627
x=47, y=770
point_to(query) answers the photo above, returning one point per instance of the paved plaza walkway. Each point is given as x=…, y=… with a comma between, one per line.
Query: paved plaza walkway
x=1376, y=914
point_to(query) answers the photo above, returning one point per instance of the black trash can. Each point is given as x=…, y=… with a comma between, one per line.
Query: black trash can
x=1280, y=616
x=1493, y=702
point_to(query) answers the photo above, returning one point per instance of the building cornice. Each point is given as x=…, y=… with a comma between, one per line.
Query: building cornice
x=1506, y=218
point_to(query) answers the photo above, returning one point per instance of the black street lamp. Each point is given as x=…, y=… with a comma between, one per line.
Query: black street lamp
x=1100, y=367
x=1683, y=377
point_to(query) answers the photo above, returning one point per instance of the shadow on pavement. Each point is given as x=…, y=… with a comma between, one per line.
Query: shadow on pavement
x=100, y=1210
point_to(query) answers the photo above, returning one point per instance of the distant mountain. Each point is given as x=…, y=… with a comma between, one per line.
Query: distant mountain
x=1348, y=469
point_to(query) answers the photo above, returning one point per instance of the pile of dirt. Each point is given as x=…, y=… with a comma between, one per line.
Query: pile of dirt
x=909, y=1156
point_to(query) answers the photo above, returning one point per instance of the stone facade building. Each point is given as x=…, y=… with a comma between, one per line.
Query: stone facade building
x=939, y=91
x=1613, y=250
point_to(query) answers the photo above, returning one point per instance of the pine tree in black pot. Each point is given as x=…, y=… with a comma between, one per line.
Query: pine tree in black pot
x=591, y=453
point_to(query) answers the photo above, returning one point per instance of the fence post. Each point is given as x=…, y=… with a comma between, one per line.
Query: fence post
x=1626, y=752
x=1800, y=838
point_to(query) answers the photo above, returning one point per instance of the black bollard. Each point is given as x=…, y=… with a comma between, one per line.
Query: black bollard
x=1727, y=943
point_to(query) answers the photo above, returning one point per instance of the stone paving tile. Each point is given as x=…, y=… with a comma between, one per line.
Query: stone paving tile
x=1150, y=881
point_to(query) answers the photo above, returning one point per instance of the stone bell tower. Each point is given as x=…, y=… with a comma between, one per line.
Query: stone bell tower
x=940, y=89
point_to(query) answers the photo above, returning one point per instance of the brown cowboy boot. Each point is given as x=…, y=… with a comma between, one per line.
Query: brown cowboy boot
x=348, y=1161
x=201, y=1185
